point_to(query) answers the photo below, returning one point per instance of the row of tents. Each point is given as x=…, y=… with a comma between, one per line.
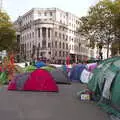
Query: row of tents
x=104, y=85
x=43, y=75
x=40, y=77
x=61, y=75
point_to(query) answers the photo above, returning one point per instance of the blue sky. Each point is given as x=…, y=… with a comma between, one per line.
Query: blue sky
x=16, y=8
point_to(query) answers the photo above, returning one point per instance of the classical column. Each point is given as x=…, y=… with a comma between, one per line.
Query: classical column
x=50, y=34
x=47, y=38
x=41, y=37
x=51, y=41
x=36, y=36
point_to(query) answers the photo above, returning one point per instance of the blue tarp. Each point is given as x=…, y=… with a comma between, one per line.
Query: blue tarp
x=76, y=72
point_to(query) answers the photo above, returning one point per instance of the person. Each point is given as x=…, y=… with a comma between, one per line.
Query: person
x=26, y=64
x=30, y=63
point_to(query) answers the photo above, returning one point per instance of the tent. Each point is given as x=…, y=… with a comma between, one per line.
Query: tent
x=105, y=84
x=85, y=76
x=40, y=64
x=48, y=68
x=59, y=75
x=96, y=82
x=91, y=66
x=30, y=68
x=64, y=70
x=3, y=78
x=39, y=80
x=76, y=71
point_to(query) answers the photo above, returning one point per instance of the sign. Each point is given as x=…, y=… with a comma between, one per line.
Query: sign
x=85, y=97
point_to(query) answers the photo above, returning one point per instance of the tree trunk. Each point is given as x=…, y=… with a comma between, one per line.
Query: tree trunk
x=107, y=49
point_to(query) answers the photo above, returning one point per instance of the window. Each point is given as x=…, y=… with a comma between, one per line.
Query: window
x=63, y=53
x=30, y=35
x=38, y=32
x=70, y=38
x=56, y=44
x=63, y=37
x=45, y=14
x=33, y=34
x=44, y=44
x=52, y=44
x=66, y=37
x=55, y=53
x=39, y=14
x=50, y=13
x=63, y=46
x=55, y=34
x=60, y=45
x=49, y=32
x=67, y=46
x=60, y=35
x=49, y=45
x=60, y=53
x=50, y=19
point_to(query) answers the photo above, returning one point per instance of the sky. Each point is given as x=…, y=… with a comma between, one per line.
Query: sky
x=17, y=8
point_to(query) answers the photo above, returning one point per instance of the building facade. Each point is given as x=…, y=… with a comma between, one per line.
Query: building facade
x=51, y=33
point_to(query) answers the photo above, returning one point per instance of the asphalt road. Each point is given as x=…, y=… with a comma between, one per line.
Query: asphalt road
x=16, y=105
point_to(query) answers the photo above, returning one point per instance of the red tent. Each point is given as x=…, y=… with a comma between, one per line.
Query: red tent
x=39, y=80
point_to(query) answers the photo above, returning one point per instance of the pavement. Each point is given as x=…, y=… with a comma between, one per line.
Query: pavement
x=20, y=105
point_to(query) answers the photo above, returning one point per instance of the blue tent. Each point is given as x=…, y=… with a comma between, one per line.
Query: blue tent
x=76, y=72
x=40, y=64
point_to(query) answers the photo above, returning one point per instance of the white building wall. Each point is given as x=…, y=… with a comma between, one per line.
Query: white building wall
x=66, y=26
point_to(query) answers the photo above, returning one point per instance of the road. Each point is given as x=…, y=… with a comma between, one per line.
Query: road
x=16, y=105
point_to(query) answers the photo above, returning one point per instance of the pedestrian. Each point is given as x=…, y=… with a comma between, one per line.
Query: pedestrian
x=26, y=64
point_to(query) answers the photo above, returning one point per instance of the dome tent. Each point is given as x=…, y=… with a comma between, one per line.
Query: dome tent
x=39, y=80
x=76, y=71
x=40, y=64
x=59, y=76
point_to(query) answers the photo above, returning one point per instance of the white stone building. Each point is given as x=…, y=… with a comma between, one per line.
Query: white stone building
x=53, y=33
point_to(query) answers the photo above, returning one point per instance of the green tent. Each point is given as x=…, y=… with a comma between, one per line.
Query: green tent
x=3, y=78
x=105, y=83
x=29, y=68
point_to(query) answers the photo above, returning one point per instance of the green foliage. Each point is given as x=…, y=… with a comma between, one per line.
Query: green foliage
x=102, y=25
x=7, y=33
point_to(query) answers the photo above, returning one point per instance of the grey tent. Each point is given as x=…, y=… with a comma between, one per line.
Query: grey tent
x=60, y=77
x=64, y=72
x=20, y=79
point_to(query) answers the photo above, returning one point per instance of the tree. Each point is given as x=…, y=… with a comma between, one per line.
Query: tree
x=102, y=23
x=7, y=33
x=86, y=31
